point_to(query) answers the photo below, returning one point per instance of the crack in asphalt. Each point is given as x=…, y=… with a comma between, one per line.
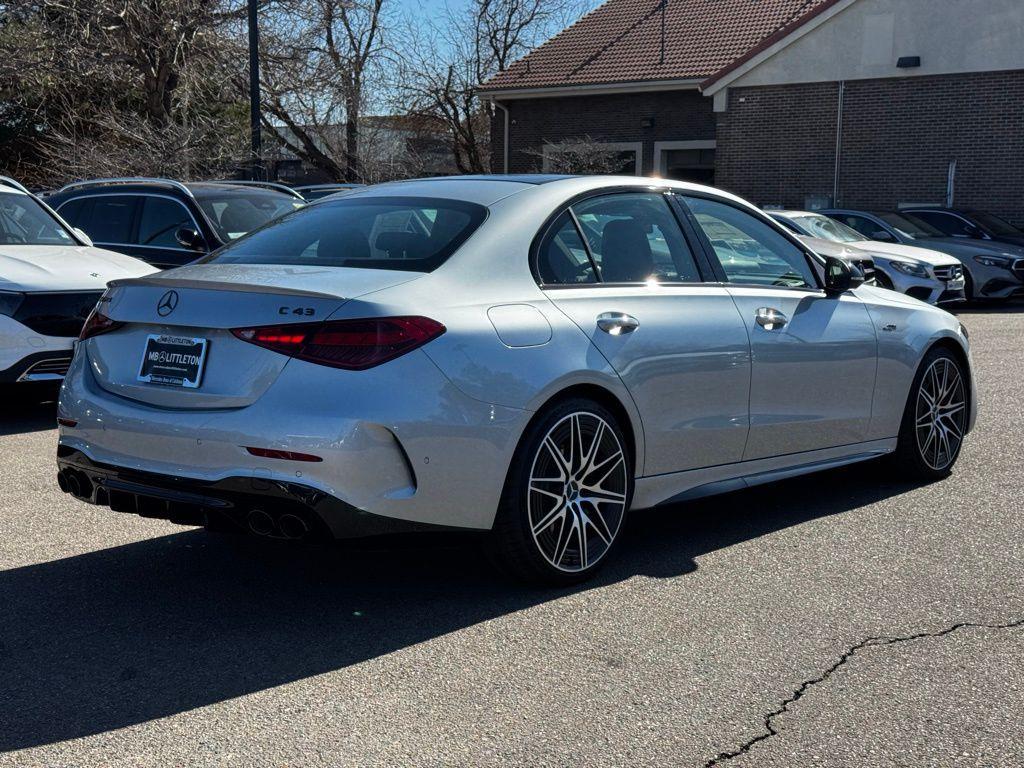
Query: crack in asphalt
x=806, y=685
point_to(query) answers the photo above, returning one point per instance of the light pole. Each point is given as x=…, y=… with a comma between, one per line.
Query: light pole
x=256, y=151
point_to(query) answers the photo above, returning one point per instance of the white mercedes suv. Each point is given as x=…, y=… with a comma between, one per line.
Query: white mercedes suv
x=50, y=279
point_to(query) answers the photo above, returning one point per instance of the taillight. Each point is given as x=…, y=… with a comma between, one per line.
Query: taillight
x=351, y=344
x=96, y=324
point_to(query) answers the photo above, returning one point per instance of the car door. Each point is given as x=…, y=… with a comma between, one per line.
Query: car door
x=620, y=266
x=813, y=355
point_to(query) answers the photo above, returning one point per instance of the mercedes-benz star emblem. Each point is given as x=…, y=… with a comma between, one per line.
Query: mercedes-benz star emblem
x=167, y=303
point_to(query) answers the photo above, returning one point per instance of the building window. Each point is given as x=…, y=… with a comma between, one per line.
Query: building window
x=685, y=161
x=594, y=157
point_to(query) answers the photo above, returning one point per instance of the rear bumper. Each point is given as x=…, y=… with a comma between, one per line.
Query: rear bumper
x=267, y=507
x=398, y=441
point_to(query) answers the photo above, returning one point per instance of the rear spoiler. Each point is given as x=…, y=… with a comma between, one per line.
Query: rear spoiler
x=217, y=285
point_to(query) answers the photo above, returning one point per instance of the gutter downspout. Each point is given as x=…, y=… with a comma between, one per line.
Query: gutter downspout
x=504, y=109
x=839, y=144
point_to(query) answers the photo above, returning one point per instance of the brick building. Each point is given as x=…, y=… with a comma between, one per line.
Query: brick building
x=864, y=103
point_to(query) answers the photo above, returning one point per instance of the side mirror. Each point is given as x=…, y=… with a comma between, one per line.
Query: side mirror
x=841, y=276
x=975, y=232
x=882, y=236
x=189, y=238
x=80, y=234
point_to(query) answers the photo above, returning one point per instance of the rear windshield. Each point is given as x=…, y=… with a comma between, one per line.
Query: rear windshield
x=415, y=234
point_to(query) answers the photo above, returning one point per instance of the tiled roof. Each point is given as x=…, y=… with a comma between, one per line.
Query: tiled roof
x=622, y=41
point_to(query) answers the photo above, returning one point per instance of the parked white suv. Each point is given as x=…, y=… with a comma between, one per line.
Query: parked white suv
x=931, y=276
x=50, y=279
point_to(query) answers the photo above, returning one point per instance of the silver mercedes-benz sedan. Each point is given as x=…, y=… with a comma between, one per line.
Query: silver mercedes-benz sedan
x=529, y=356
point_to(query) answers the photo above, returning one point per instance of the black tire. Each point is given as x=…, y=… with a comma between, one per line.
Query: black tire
x=535, y=558
x=915, y=457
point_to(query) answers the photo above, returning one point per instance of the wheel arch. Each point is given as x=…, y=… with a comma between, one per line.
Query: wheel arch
x=956, y=348
x=605, y=397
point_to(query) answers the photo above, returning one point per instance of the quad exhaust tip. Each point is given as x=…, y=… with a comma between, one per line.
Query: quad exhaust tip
x=284, y=526
x=292, y=526
x=261, y=523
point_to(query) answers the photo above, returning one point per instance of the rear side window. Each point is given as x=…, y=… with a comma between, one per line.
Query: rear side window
x=860, y=224
x=71, y=212
x=414, y=234
x=563, y=258
x=109, y=219
x=160, y=219
x=635, y=238
x=947, y=223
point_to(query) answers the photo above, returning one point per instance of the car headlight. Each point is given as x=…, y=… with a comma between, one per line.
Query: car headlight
x=9, y=302
x=912, y=268
x=994, y=261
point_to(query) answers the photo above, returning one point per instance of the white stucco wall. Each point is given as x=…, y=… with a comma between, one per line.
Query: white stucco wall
x=866, y=37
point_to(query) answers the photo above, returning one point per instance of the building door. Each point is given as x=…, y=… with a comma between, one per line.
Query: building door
x=686, y=161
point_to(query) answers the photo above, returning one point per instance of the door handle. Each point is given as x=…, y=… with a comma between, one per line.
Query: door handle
x=617, y=323
x=770, y=319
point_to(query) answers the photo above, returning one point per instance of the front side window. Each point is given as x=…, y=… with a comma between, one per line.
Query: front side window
x=750, y=250
x=635, y=238
x=161, y=218
x=234, y=214
x=414, y=234
x=825, y=228
x=24, y=222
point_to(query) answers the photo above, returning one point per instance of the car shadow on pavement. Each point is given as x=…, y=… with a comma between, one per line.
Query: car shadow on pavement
x=128, y=634
x=27, y=408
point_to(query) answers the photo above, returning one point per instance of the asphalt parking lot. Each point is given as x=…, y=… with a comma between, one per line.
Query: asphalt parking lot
x=840, y=619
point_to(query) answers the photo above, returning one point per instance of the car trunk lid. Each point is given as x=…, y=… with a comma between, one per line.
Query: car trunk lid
x=203, y=303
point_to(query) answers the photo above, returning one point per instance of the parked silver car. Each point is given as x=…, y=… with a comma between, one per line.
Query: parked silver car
x=530, y=356
x=928, y=275
x=992, y=270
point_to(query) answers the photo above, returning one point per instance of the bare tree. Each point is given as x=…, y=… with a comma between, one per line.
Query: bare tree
x=480, y=40
x=583, y=155
x=319, y=60
x=126, y=85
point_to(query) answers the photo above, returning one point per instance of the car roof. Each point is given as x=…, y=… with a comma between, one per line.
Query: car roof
x=335, y=185
x=171, y=187
x=489, y=190
x=205, y=188
x=793, y=214
x=483, y=190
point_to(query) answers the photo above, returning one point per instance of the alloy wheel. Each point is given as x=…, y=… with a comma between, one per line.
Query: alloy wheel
x=941, y=414
x=577, y=492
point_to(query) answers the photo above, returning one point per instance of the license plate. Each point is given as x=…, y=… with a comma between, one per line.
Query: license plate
x=174, y=361
x=956, y=283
